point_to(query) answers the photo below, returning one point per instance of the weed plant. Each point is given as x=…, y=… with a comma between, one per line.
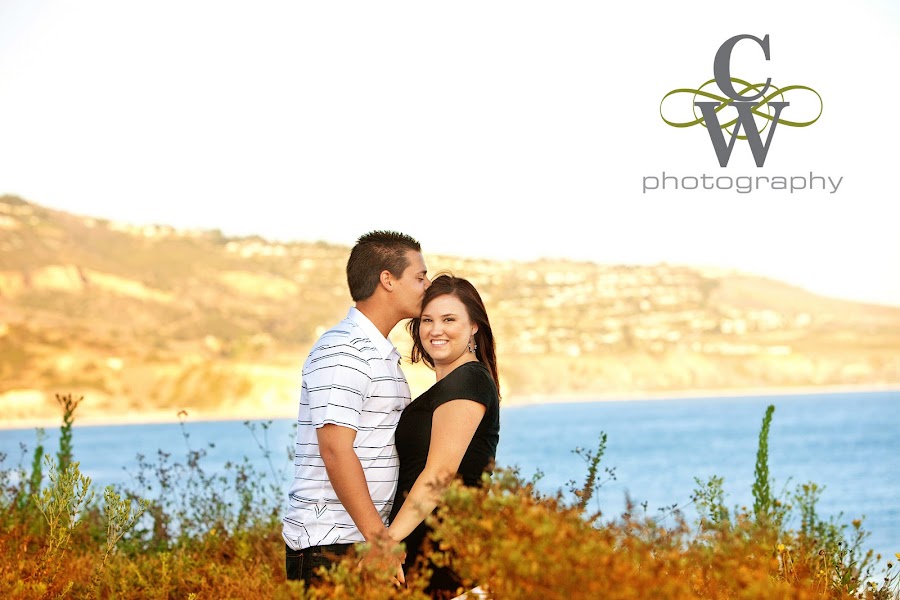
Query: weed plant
x=179, y=531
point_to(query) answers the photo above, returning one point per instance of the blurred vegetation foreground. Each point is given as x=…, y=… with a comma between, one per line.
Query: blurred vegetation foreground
x=178, y=531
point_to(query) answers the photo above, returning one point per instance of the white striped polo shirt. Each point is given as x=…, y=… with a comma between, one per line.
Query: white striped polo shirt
x=351, y=378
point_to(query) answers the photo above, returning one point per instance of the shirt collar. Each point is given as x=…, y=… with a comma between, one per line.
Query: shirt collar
x=382, y=344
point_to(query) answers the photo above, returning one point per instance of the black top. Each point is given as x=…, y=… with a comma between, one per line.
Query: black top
x=469, y=381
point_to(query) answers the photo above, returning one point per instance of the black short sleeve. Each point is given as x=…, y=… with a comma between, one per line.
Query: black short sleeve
x=467, y=383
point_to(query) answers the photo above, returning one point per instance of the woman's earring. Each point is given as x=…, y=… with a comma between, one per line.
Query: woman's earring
x=472, y=346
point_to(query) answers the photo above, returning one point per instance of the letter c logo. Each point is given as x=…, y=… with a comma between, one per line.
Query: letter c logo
x=722, y=66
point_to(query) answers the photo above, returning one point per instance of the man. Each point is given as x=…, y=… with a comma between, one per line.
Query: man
x=353, y=391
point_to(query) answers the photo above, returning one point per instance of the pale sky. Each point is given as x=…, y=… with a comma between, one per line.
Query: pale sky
x=510, y=129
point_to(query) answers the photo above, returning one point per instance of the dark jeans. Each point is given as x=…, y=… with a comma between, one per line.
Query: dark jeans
x=302, y=564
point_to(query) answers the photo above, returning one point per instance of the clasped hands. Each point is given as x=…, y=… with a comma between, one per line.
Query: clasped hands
x=383, y=554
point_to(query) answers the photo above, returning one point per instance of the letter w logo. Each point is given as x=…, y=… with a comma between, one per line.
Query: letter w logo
x=745, y=119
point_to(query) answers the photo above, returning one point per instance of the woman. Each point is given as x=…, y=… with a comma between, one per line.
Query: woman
x=453, y=428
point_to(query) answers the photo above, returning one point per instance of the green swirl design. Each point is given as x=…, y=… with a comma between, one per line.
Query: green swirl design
x=726, y=102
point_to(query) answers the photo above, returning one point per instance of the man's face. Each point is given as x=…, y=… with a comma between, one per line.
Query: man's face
x=411, y=286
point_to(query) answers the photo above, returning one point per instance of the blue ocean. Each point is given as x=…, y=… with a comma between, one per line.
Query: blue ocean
x=847, y=443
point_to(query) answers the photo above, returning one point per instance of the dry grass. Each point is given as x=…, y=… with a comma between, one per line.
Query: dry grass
x=187, y=540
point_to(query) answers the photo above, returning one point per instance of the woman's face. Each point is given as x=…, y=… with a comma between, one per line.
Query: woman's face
x=445, y=331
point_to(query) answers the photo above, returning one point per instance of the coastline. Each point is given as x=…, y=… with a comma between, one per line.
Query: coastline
x=196, y=415
x=637, y=396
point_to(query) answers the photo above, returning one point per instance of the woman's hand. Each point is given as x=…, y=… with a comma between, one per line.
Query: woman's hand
x=383, y=554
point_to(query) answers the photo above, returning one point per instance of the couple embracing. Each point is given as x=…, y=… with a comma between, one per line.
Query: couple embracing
x=370, y=465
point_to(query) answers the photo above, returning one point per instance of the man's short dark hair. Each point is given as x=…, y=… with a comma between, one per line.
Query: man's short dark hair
x=373, y=253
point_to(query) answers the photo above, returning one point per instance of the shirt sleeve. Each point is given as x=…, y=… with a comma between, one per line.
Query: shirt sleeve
x=337, y=378
x=470, y=383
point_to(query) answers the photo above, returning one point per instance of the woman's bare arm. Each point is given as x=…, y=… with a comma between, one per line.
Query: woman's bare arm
x=452, y=427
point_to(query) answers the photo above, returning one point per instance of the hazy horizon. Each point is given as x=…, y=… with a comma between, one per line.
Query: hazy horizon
x=504, y=131
x=436, y=268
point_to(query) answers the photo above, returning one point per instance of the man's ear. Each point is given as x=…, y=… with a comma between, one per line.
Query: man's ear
x=387, y=280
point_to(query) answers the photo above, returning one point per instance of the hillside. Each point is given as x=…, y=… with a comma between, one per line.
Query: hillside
x=147, y=320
